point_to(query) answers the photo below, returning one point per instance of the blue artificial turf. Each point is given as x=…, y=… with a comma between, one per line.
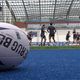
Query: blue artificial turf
x=47, y=65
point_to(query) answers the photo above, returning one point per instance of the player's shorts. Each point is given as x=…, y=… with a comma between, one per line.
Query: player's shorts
x=51, y=35
x=43, y=36
x=67, y=38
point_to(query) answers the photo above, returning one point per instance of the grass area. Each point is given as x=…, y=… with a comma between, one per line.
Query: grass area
x=54, y=47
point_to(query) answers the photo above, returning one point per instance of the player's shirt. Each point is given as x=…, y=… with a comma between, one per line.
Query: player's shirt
x=52, y=30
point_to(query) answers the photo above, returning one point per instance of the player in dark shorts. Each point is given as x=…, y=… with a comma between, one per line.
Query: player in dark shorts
x=43, y=37
x=29, y=36
x=67, y=37
x=78, y=38
x=74, y=36
x=51, y=29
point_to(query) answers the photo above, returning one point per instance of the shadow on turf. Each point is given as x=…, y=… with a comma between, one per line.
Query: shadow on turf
x=13, y=69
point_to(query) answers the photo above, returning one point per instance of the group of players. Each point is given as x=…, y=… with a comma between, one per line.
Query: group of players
x=52, y=30
x=76, y=37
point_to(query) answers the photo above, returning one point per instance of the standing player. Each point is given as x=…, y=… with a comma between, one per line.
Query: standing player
x=78, y=38
x=74, y=36
x=43, y=37
x=67, y=37
x=51, y=29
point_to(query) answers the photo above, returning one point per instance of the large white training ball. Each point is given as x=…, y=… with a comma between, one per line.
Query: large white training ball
x=14, y=46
